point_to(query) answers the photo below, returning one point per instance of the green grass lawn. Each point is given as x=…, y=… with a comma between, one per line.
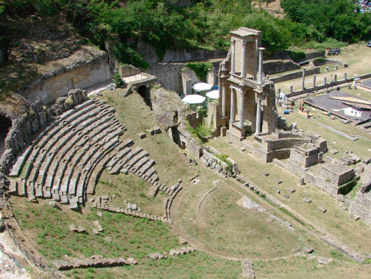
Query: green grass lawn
x=131, y=189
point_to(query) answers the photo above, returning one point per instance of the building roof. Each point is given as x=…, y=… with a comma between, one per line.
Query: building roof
x=244, y=32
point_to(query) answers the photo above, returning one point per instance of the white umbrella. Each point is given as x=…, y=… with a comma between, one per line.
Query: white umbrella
x=194, y=99
x=202, y=86
x=213, y=94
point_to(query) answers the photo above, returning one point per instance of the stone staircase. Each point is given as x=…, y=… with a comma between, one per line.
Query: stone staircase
x=65, y=161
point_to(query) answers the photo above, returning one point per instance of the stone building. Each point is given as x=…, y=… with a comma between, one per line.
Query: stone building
x=247, y=103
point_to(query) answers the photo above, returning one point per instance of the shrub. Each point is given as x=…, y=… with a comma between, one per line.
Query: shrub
x=117, y=80
x=200, y=68
x=69, y=102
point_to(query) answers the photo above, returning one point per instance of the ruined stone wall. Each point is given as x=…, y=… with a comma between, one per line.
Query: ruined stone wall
x=278, y=66
x=282, y=143
x=83, y=77
x=361, y=207
x=177, y=77
x=172, y=115
x=270, y=117
x=294, y=75
x=337, y=173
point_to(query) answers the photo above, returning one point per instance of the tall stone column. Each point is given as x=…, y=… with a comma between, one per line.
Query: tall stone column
x=223, y=99
x=260, y=66
x=303, y=80
x=233, y=53
x=231, y=118
x=243, y=60
x=258, y=117
x=242, y=108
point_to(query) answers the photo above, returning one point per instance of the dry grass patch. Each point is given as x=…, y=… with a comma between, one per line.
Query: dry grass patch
x=336, y=221
x=305, y=267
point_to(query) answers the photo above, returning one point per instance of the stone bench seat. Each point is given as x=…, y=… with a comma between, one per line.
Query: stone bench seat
x=63, y=128
x=42, y=139
x=140, y=164
x=88, y=168
x=21, y=161
x=136, y=158
x=66, y=142
x=143, y=170
x=94, y=171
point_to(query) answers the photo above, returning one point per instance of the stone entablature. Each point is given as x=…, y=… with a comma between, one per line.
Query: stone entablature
x=247, y=100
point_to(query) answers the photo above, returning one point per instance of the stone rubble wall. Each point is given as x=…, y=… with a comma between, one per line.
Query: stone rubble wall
x=93, y=261
x=172, y=115
x=211, y=161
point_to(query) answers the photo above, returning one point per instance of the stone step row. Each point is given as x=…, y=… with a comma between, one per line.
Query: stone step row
x=60, y=151
x=54, y=145
x=126, y=211
x=57, y=131
x=50, y=171
x=50, y=130
x=50, y=140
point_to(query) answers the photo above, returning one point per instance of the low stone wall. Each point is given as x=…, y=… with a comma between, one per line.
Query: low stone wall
x=287, y=55
x=324, y=86
x=360, y=207
x=323, y=61
x=295, y=75
x=337, y=173
x=270, y=145
x=210, y=160
x=278, y=66
x=93, y=261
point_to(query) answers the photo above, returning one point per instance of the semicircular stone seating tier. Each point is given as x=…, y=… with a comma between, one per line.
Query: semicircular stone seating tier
x=65, y=161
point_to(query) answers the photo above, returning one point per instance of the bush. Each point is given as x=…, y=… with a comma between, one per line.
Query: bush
x=201, y=69
x=117, y=80
x=69, y=102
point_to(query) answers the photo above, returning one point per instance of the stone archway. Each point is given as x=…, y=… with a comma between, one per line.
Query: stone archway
x=144, y=91
x=5, y=125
